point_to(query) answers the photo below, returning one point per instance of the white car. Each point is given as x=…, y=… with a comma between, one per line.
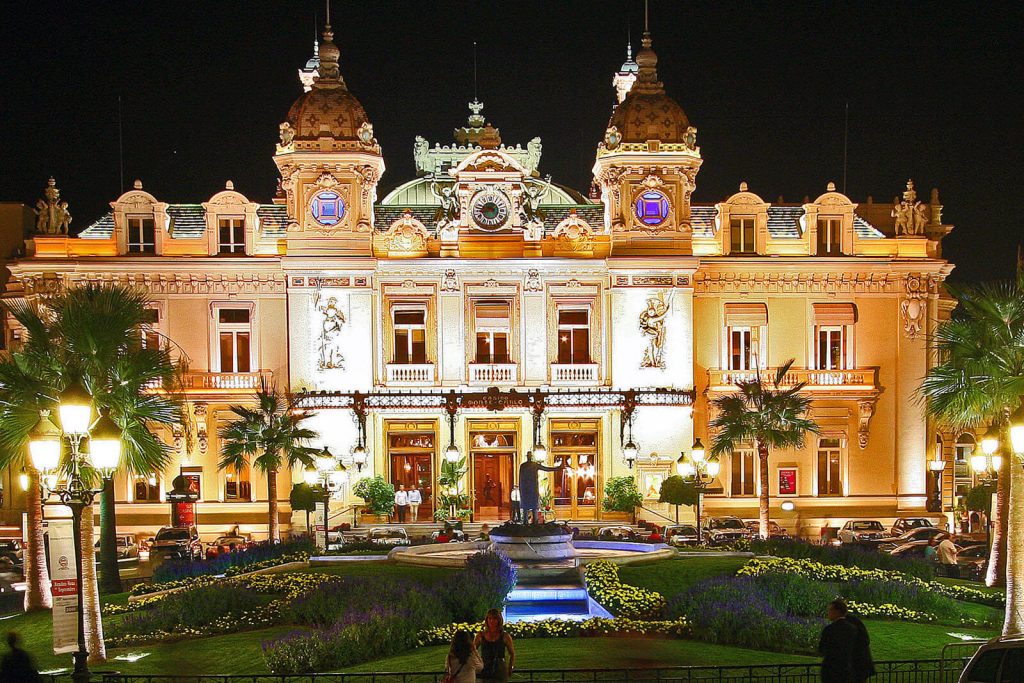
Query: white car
x=862, y=532
x=388, y=536
x=1000, y=659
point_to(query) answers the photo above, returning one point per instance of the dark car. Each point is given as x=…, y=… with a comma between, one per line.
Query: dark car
x=905, y=524
x=913, y=549
x=682, y=534
x=774, y=530
x=177, y=542
x=921, y=533
x=723, y=530
x=226, y=544
x=973, y=561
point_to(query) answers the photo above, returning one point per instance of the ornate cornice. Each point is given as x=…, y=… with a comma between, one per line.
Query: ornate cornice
x=814, y=277
x=212, y=282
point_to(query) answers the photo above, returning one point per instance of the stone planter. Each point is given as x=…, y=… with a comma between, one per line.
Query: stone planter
x=550, y=548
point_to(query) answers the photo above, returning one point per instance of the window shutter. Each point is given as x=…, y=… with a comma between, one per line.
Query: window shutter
x=835, y=314
x=746, y=315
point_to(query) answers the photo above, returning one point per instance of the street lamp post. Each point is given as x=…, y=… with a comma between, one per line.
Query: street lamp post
x=45, y=446
x=326, y=470
x=699, y=471
x=935, y=467
x=986, y=462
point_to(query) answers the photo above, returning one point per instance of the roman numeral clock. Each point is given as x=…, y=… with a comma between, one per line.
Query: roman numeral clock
x=490, y=209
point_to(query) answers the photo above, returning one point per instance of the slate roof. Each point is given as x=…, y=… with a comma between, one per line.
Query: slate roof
x=188, y=221
x=553, y=214
x=101, y=229
x=273, y=219
x=702, y=220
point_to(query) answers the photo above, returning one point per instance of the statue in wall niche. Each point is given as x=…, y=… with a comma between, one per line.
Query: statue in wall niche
x=330, y=334
x=52, y=215
x=652, y=326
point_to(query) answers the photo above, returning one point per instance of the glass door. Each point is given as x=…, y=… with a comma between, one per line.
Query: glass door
x=492, y=454
x=575, y=485
x=411, y=456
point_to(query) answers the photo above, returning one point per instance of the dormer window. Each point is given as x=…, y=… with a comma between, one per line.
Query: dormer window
x=830, y=237
x=231, y=236
x=741, y=236
x=141, y=235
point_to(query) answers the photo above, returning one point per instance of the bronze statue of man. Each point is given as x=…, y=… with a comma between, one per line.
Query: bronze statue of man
x=529, y=487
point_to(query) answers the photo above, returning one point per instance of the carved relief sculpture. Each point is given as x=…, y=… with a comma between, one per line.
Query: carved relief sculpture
x=913, y=308
x=533, y=283
x=329, y=341
x=287, y=134
x=52, y=216
x=449, y=283
x=652, y=326
x=574, y=233
x=406, y=236
x=449, y=213
x=911, y=215
x=866, y=409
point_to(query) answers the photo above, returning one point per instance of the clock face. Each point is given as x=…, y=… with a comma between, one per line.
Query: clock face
x=491, y=209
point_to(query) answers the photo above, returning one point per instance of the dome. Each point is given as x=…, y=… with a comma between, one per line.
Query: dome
x=647, y=113
x=328, y=109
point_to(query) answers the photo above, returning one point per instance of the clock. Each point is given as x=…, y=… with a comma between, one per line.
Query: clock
x=491, y=209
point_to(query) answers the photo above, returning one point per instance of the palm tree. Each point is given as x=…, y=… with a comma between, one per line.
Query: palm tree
x=93, y=334
x=268, y=437
x=770, y=417
x=979, y=379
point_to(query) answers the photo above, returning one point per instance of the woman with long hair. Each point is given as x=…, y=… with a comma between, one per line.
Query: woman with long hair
x=494, y=644
x=463, y=660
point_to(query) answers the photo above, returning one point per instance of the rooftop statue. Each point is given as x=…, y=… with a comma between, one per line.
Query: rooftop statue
x=52, y=215
x=910, y=214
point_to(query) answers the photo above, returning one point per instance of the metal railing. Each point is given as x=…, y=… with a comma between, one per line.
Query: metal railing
x=902, y=671
x=814, y=380
x=225, y=381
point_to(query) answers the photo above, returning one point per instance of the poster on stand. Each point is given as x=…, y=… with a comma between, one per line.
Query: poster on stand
x=64, y=585
x=320, y=526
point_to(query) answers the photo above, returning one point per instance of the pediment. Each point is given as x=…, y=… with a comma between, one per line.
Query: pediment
x=489, y=160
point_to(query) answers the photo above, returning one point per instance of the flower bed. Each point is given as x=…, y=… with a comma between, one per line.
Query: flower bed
x=255, y=556
x=847, y=556
x=564, y=628
x=622, y=600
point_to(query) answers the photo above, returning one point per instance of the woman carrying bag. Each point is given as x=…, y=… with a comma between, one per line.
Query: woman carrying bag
x=494, y=644
x=463, y=660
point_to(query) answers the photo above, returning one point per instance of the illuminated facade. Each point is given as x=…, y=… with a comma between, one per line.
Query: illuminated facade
x=481, y=275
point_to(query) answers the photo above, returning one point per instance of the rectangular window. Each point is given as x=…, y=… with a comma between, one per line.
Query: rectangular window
x=744, y=347
x=410, y=328
x=236, y=484
x=147, y=488
x=150, y=332
x=831, y=347
x=741, y=233
x=743, y=472
x=231, y=236
x=830, y=478
x=234, y=332
x=141, y=236
x=830, y=232
x=492, y=332
x=573, y=336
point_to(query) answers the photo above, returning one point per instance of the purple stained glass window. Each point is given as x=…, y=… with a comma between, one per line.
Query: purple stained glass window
x=328, y=208
x=651, y=208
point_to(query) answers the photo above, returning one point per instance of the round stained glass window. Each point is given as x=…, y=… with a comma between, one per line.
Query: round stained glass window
x=651, y=208
x=327, y=207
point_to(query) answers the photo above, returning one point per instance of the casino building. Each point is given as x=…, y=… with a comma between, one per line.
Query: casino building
x=482, y=305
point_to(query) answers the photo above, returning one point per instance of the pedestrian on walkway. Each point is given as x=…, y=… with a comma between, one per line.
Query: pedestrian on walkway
x=947, y=552
x=415, y=500
x=401, y=502
x=837, y=645
x=516, y=509
x=463, y=661
x=17, y=665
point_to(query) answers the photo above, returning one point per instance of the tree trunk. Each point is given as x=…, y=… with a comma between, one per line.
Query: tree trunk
x=1000, y=508
x=90, y=591
x=110, y=572
x=272, y=528
x=37, y=576
x=762, y=460
x=1013, y=623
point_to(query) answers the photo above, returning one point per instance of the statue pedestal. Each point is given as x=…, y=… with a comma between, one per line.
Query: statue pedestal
x=526, y=548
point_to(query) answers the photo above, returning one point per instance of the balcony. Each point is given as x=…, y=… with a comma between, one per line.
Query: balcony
x=409, y=374
x=225, y=382
x=492, y=374
x=855, y=384
x=573, y=374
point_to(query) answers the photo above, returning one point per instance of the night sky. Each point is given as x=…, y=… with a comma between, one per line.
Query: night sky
x=933, y=91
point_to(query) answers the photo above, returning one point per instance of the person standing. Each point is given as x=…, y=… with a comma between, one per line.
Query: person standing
x=494, y=644
x=463, y=660
x=401, y=502
x=946, y=553
x=17, y=665
x=516, y=510
x=837, y=644
x=415, y=500
x=863, y=664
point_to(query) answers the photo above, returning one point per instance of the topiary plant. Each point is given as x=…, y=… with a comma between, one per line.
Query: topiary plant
x=378, y=494
x=622, y=495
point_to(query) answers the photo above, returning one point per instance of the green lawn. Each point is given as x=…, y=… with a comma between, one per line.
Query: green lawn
x=669, y=577
x=380, y=568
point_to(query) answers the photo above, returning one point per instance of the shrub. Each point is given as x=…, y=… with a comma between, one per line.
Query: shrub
x=378, y=494
x=190, y=609
x=563, y=628
x=847, y=556
x=622, y=495
x=621, y=599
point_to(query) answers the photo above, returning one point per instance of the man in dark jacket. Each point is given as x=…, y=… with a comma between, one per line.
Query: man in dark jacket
x=837, y=645
x=17, y=665
x=863, y=665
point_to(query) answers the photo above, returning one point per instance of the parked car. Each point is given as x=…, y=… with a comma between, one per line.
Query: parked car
x=454, y=535
x=921, y=533
x=180, y=542
x=774, y=530
x=126, y=545
x=722, y=530
x=912, y=549
x=11, y=549
x=1000, y=659
x=616, y=533
x=905, y=524
x=973, y=561
x=388, y=536
x=227, y=544
x=682, y=534
x=866, y=532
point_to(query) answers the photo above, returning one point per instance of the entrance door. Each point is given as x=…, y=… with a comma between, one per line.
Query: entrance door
x=492, y=451
x=411, y=455
x=574, y=485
